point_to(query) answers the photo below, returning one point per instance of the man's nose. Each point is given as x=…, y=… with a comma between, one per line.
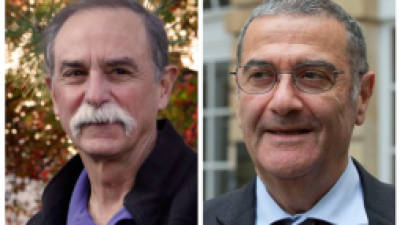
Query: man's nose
x=284, y=98
x=97, y=89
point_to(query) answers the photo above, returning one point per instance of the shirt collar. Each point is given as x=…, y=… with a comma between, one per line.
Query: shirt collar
x=343, y=203
x=78, y=213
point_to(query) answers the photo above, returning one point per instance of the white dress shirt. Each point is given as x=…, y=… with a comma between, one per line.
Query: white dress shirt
x=342, y=205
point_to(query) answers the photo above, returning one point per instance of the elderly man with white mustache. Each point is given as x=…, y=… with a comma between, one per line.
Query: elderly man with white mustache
x=109, y=75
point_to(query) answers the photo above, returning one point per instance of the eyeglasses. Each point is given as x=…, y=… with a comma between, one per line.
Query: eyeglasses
x=260, y=77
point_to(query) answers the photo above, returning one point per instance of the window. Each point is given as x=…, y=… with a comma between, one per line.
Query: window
x=386, y=99
x=218, y=172
x=214, y=4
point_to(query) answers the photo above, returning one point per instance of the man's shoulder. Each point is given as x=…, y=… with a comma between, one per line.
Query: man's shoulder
x=56, y=195
x=374, y=188
x=35, y=219
x=223, y=201
x=231, y=205
x=379, y=198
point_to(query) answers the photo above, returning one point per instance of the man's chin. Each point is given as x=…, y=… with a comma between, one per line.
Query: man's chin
x=100, y=150
x=288, y=167
x=288, y=173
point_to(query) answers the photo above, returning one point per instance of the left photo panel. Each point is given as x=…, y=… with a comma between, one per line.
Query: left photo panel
x=101, y=112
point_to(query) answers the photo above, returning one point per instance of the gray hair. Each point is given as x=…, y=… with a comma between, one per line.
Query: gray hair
x=356, y=47
x=154, y=27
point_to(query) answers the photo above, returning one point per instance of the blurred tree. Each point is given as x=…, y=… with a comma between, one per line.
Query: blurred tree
x=36, y=145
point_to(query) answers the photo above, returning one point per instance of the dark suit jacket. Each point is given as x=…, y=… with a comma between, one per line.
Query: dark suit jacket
x=239, y=207
x=165, y=190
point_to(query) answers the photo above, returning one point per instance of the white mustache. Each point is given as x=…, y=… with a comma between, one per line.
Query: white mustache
x=107, y=113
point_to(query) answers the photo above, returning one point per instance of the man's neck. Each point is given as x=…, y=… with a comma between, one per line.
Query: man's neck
x=299, y=195
x=112, y=178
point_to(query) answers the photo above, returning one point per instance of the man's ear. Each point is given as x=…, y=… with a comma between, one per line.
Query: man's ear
x=166, y=84
x=366, y=88
x=49, y=83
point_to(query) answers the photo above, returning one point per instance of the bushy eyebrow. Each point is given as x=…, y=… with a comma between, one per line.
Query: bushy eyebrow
x=322, y=63
x=266, y=63
x=255, y=62
x=124, y=61
x=71, y=63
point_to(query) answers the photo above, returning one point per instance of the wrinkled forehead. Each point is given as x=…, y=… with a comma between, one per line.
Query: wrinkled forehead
x=94, y=16
x=102, y=30
x=298, y=34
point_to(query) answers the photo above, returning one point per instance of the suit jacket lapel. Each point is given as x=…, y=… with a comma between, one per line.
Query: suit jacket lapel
x=378, y=198
x=242, y=206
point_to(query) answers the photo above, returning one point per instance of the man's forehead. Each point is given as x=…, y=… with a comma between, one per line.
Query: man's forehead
x=106, y=18
x=295, y=27
x=296, y=33
x=107, y=33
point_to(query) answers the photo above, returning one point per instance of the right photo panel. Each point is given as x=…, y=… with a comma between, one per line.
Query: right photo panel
x=299, y=112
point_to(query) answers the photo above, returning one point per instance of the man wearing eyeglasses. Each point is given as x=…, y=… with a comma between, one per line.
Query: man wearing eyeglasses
x=303, y=83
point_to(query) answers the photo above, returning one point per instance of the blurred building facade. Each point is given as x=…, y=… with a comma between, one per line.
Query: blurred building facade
x=227, y=165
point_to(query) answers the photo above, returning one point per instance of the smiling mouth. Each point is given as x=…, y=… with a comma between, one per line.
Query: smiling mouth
x=290, y=132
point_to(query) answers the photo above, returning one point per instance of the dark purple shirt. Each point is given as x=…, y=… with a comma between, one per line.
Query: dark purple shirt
x=78, y=213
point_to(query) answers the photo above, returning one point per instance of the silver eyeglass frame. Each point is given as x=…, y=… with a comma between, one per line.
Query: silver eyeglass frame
x=335, y=72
